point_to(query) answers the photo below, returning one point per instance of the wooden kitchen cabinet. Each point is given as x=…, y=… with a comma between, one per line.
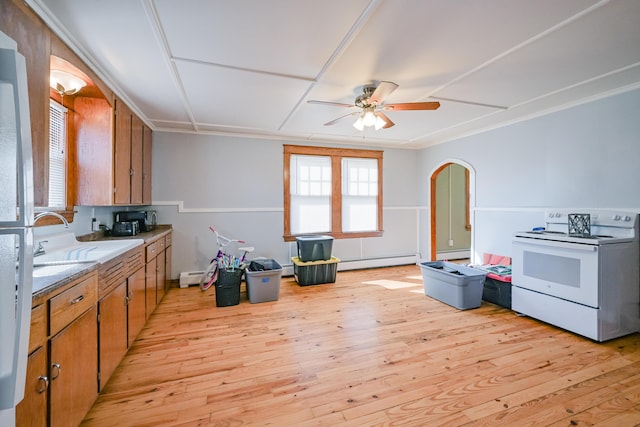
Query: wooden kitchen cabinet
x=161, y=266
x=156, y=276
x=62, y=369
x=136, y=305
x=74, y=370
x=112, y=312
x=73, y=352
x=109, y=150
x=128, y=145
x=32, y=411
x=121, y=306
x=147, y=144
x=151, y=269
x=168, y=255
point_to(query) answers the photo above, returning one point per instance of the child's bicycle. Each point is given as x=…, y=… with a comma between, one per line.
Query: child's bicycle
x=222, y=260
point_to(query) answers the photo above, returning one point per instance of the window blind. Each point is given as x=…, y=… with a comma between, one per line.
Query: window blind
x=57, y=159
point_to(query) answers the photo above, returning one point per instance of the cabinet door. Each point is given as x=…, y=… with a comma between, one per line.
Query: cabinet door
x=136, y=160
x=32, y=411
x=147, y=146
x=167, y=266
x=136, y=316
x=74, y=370
x=160, y=276
x=112, y=311
x=122, y=156
x=150, y=283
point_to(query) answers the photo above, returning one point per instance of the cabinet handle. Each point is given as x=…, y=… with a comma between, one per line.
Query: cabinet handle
x=77, y=300
x=55, y=366
x=43, y=384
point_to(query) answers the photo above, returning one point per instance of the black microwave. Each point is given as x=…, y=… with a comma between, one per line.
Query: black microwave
x=147, y=220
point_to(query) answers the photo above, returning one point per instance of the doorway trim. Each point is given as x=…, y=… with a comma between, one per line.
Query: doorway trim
x=432, y=203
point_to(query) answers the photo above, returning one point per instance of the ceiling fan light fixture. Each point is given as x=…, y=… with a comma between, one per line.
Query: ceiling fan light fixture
x=369, y=118
x=65, y=83
x=379, y=123
x=359, y=124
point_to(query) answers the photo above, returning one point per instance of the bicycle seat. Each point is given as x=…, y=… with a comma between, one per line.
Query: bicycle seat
x=247, y=249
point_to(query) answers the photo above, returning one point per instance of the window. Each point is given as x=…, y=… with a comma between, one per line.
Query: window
x=332, y=191
x=57, y=158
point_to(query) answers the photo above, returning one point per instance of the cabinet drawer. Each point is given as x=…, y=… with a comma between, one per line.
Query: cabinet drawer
x=38, y=331
x=64, y=308
x=161, y=244
x=167, y=240
x=152, y=250
x=134, y=260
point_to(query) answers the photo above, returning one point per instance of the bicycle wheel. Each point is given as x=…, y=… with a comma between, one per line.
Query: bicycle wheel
x=209, y=276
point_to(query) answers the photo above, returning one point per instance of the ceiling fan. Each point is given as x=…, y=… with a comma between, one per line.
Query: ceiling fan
x=372, y=107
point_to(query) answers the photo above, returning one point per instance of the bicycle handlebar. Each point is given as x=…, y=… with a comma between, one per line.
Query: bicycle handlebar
x=224, y=241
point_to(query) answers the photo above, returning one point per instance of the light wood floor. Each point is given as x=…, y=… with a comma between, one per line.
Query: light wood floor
x=369, y=350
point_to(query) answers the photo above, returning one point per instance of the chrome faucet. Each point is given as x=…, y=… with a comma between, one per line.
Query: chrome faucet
x=40, y=249
x=57, y=215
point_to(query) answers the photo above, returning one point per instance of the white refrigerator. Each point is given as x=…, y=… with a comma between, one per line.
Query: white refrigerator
x=16, y=232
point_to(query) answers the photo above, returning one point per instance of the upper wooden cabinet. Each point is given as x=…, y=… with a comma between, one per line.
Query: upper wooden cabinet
x=127, y=169
x=147, y=142
x=109, y=146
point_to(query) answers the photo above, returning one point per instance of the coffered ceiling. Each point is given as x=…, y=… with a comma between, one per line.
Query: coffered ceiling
x=248, y=67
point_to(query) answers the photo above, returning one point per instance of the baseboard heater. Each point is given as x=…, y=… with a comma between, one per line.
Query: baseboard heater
x=188, y=278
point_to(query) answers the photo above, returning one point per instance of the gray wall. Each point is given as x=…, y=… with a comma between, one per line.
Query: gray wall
x=585, y=157
x=236, y=185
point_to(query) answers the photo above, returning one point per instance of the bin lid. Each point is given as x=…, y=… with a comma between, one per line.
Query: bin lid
x=314, y=237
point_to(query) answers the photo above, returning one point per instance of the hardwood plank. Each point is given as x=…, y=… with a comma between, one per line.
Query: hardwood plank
x=370, y=349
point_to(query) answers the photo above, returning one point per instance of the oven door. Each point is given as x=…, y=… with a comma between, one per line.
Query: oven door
x=564, y=270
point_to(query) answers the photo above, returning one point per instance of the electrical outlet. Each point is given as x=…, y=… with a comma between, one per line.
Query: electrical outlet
x=450, y=242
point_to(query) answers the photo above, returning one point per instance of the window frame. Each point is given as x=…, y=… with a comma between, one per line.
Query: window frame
x=336, y=155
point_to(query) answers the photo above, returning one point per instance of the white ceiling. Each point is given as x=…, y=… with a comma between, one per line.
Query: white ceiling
x=248, y=67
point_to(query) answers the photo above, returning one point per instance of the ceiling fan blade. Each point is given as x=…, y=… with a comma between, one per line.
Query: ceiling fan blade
x=480, y=104
x=333, y=104
x=412, y=106
x=383, y=90
x=334, y=121
x=387, y=120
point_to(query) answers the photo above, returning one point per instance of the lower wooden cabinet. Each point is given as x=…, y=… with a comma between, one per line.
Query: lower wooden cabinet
x=136, y=305
x=74, y=370
x=112, y=311
x=161, y=279
x=81, y=331
x=150, y=283
x=32, y=411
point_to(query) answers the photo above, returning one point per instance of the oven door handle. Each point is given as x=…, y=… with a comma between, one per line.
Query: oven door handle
x=524, y=241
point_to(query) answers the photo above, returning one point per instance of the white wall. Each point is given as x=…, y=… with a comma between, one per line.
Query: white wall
x=236, y=185
x=585, y=157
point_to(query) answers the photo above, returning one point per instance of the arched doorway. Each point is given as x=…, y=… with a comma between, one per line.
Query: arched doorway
x=452, y=199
